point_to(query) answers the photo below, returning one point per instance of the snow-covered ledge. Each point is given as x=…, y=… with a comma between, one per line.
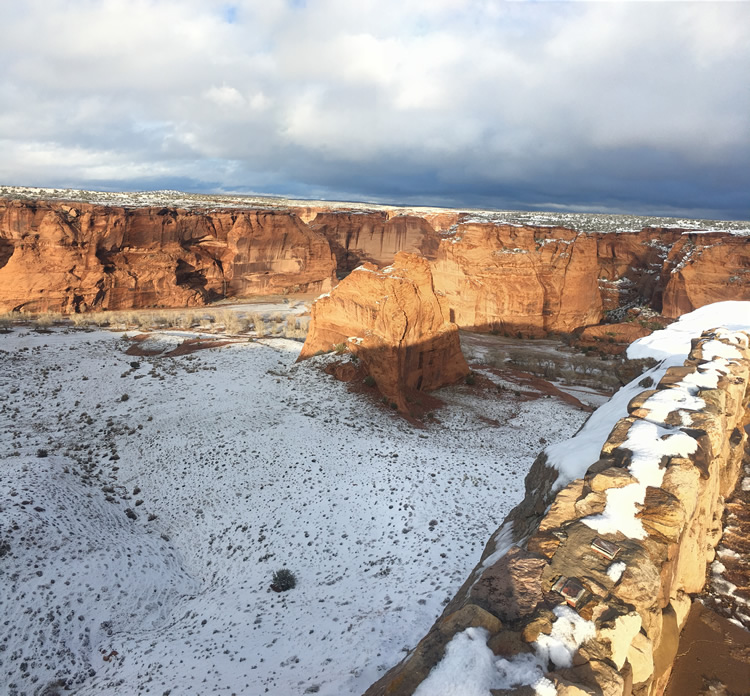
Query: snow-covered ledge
x=586, y=585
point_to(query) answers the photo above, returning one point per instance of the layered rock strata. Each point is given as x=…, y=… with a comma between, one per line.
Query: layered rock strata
x=535, y=280
x=376, y=237
x=489, y=276
x=585, y=591
x=391, y=320
x=77, y=257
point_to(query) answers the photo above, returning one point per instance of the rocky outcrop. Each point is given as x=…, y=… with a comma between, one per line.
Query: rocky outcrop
x=391, y=320
x=76, y=257
x=585, y=591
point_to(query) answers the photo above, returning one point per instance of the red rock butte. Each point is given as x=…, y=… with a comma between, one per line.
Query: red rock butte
x=392, y=321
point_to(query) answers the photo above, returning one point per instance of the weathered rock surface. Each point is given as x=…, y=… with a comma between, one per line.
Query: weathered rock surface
x=376, y=237
x=705, y=268
x=392, y=321
x=76, y=257
x=637, y=601
x=518, y=279
x=488, y=276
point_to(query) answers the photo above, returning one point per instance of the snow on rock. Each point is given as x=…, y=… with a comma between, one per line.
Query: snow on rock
x=649, y=443
x=675, y=339
x=469, y=667
x=670, y=346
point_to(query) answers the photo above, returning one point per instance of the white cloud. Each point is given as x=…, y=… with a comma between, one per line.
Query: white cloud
x=436, y=94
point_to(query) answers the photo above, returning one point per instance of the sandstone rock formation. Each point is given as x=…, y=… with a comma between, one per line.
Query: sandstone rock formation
x=75, y=257
x=488, y=276
x=705, y=268
x=682, y=448
x=518, y=279
x=375, y=237
x=535, y=280
x=392, y=321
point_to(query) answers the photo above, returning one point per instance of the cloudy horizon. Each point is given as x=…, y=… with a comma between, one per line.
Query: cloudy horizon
x=636, y=107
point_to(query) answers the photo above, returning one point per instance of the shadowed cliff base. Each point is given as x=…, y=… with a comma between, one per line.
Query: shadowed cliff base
x=713, y=657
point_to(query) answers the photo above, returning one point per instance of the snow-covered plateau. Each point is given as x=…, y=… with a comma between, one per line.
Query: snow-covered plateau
x=582, y=222
x=145, y=503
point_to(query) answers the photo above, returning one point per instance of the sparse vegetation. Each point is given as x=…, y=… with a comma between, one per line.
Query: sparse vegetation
x=283, y=580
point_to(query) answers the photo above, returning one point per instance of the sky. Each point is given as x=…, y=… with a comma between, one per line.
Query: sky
x=637, y=107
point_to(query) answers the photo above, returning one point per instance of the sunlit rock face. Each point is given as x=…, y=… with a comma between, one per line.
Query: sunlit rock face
x=376, y=237
x=518, y=279
x=491, y=272
x=392, y=321
x=705, y=268
x=76, y=257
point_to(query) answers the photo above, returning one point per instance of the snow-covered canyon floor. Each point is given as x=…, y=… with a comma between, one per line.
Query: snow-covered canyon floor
x=145, y=503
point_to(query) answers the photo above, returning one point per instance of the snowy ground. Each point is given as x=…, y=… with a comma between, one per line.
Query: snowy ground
x=146, y=501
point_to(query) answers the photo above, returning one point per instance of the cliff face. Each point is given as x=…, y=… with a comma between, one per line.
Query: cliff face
x=75, y=257
x=518, y=279
x=535, y=280
x=375, y=237
x=704, y=268
x=510, y=278
x=655, y=498
x=392, y=321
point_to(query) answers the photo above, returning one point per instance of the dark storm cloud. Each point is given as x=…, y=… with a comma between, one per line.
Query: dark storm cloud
x=595, y=106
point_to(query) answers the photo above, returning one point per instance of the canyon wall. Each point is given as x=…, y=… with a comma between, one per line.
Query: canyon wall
x=488, y=276
x=78, y=257
x=376, y=237
x=584, y=590
x=535, y=280
x=391, y=320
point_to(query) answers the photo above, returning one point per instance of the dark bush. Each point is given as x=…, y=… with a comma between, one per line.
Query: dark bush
x=41, y=453
x=283, y=580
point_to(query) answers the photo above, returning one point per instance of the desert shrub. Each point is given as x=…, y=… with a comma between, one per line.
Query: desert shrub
x=339, y=348
x=124, y=397
x=283, y=580
x=470, y=379
x=41, y=453
x=234, y=323
x=370, y=381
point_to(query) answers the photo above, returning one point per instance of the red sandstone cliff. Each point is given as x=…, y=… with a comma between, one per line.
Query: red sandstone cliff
x=704, y=268
x=356, y=237
x=518, y=279
x=75, y=257
x=511, y=278
x=535, y=280
x=392, y=321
